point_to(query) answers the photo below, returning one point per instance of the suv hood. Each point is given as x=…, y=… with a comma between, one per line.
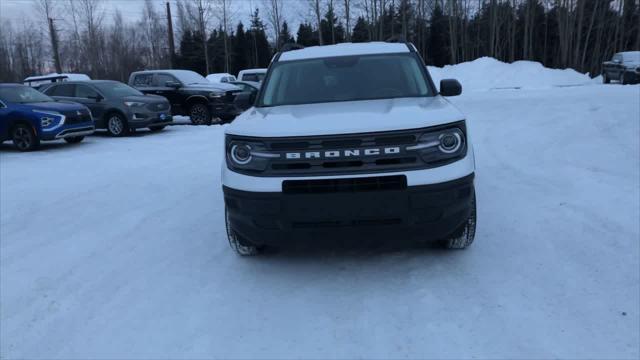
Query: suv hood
x=212, y=86
x=147, y=99
x=345, y=117
x=59, y=106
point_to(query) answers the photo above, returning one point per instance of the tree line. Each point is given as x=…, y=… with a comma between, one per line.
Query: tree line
x=211, y=36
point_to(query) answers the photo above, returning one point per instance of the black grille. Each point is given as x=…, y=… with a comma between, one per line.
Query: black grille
x=74, y=118
x=377, y=183
x=340, y=162
x=231, y=95
x=163, y=106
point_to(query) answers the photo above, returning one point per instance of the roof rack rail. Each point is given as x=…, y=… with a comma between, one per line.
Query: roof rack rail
x=291, y=46
x=396, y=39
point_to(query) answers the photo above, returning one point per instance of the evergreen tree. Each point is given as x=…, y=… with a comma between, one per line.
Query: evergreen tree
x=360, y=31
x=438, y=44
x=332, y=31
x=259, y=48
x=191, y=55
x=285, y=35
x=306, y=35
x=240, y=47
x=216, y=50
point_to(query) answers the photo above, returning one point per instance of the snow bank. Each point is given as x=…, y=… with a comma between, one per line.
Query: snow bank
x=489, y=74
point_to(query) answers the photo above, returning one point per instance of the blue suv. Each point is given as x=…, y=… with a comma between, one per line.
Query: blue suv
x=28, y=117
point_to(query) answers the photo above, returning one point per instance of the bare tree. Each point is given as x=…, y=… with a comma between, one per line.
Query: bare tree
x=202, y=11
x=275, y=9
x=315, y=4
x=225, y=16
x=347, y=16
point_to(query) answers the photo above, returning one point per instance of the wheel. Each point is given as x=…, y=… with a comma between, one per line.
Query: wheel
x=241, y=247
x=199, y=114
x=605, y=79
x=464, y=236
x=74, y=139
x=117, y=125
x=24, y=138
x=625, y=79
x=157, y=128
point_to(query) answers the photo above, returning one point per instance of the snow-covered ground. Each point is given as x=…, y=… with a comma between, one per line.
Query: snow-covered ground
x=116, y=248
x=490, y=74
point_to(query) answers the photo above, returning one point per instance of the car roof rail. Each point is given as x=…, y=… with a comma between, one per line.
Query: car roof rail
x=401, y=39
x=291, y=46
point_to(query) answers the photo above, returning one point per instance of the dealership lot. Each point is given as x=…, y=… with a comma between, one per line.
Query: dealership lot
x=116, y=248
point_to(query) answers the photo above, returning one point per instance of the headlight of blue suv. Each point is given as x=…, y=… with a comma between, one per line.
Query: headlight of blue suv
x=441, y=146
x=49, y=120
x=134, y=104
x=216, y=94
x=248, y=155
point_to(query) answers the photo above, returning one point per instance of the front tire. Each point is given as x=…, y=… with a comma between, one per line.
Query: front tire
x=199, y=114
x=74, y=139
x=24, y=138
x=467, y=231
x=605, y=79
x=116, y=125
x=241, y=247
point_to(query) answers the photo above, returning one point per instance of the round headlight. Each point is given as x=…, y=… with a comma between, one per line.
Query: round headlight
x=450, y=142
x=241, y=154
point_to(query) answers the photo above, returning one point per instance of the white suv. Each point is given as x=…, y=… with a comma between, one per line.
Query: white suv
x=349, y=141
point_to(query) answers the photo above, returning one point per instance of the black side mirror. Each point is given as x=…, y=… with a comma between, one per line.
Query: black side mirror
x=450, y=87
x=244, y=99
x=172, y=84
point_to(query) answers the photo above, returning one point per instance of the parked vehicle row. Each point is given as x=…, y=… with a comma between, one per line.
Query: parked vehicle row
x=253, y=75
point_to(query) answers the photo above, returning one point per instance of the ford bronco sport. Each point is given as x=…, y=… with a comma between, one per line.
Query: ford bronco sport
x=354, y=141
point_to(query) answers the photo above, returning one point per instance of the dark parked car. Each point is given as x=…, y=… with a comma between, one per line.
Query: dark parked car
x=189, y=94
x=247, y=97
x=624, y=67
x=115, y=106
x=28, y=117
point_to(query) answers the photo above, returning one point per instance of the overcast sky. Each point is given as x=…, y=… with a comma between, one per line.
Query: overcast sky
x=18, y=11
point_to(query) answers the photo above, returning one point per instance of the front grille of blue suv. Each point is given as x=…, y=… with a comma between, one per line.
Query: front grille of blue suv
x=28, y=117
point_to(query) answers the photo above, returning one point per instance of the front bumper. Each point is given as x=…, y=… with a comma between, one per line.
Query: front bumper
x=425, y=212
x=67, y=131
x=222, y=109
x=139, y=120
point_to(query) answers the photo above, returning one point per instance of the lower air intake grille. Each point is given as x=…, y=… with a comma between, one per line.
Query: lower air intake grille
x=378, y=183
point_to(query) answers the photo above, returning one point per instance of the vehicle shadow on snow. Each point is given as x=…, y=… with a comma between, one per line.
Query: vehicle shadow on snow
x=355, y=248
x=7, y=147
x=137, y=133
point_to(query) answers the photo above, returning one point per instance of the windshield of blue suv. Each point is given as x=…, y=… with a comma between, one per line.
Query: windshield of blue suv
x=22, y=95
x=346, y=78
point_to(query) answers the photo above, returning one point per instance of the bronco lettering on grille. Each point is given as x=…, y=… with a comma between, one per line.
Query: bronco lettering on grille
x=332, y=154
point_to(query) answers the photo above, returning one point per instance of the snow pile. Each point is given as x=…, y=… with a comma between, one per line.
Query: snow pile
x=489, y=74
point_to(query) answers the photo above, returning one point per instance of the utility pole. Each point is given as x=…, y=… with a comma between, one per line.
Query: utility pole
x=54, y=46
x=172, y=46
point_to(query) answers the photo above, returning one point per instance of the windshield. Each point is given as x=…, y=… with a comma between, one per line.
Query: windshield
x=189, y=77
x=117, y=90
x=346, y=78
x=22, y=95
